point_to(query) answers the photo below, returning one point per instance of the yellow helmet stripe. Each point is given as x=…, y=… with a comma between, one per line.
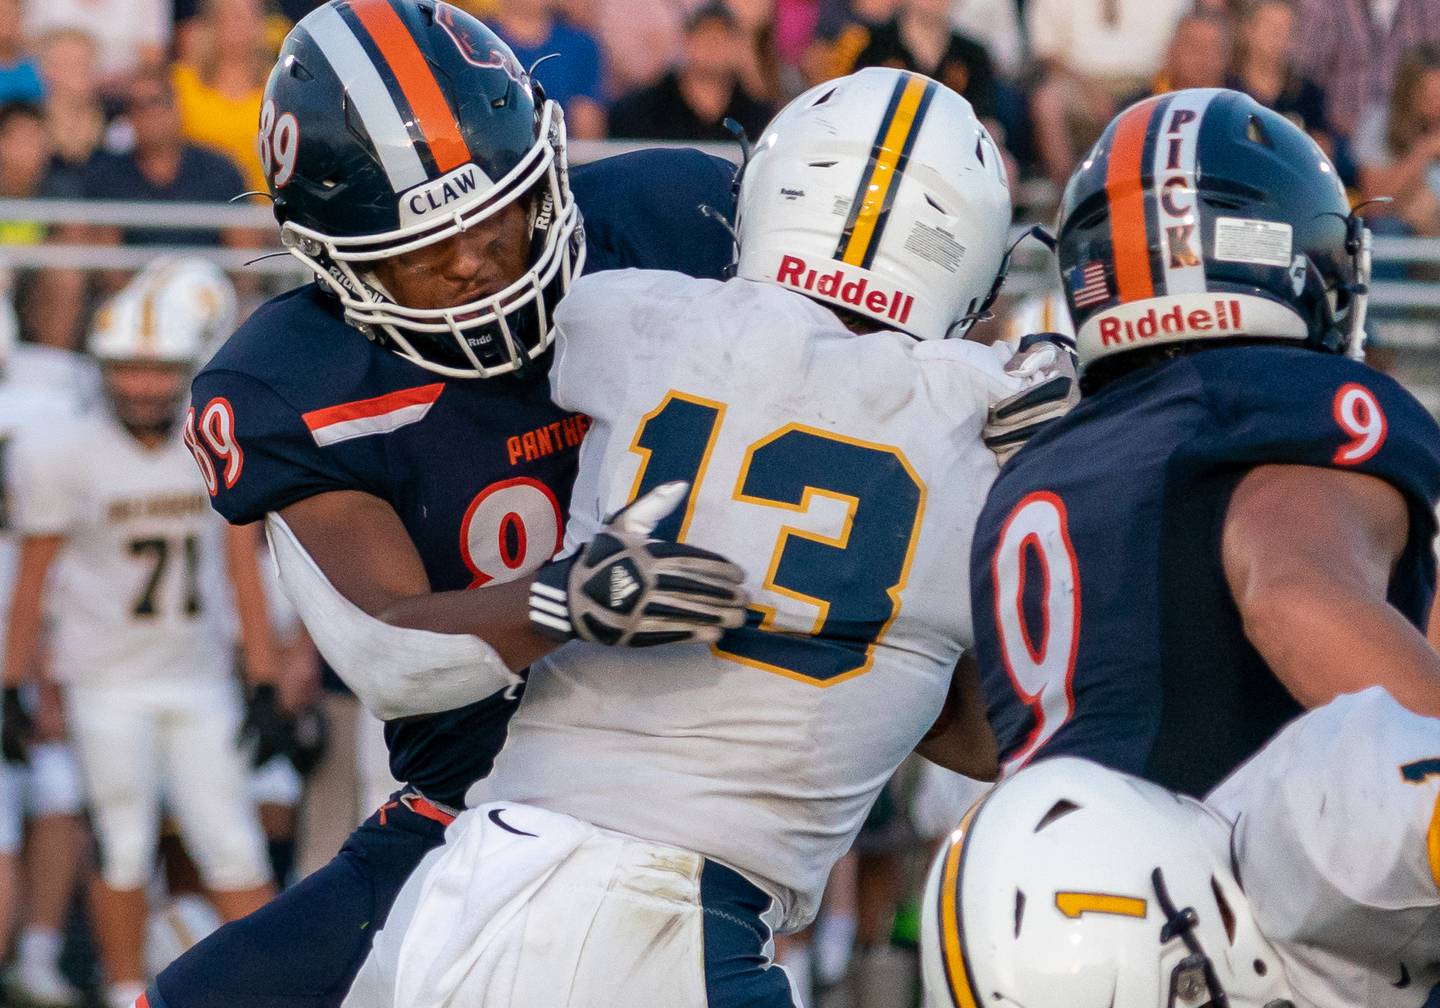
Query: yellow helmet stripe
x=1432, y=840
x=888, y=158
x=952, y=947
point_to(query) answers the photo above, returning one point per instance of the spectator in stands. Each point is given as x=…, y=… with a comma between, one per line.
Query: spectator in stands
x=760, y=59
x=1264, y=68
x=164, y=166
x=1397, y=148
x=691, y=102
x=131, y=34
x=842, y=31
x=920, y=38
x=1197, y=58
x=1090, y=55
x=639, y=39
x=73, y=110
x=1355, y=46
x=221, y=81
x=535, y=29
x=995, y=24
x=19, y=74
x=24, y=159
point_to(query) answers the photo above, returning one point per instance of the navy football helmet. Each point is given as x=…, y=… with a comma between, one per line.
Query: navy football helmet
x=391, y=125
x=1201, y=215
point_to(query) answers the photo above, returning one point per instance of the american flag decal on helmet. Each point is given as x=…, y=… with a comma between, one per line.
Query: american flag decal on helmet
x=1088, y=285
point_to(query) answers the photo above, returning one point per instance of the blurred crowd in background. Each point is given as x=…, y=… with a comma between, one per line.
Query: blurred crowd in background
x=158, y=100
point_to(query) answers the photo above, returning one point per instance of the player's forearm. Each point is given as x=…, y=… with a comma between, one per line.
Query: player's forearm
x=961, y=739
x=257, y=635
x=1323, y=643
x=27, y=619
x=497, y=614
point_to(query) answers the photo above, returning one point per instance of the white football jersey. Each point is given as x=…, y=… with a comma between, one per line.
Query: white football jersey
x=1337, y=841
x=21, y=408
x=139, y=590
x=845, y=474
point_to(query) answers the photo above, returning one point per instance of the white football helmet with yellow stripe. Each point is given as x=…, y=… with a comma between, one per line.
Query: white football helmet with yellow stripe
x=173, y=311
x=154, y=333
x=1074, y=886
x=883, y=194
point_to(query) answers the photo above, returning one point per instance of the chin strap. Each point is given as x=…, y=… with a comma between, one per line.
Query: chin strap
x=1193, y=981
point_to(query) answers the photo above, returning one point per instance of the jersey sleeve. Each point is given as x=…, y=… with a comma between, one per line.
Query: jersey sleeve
x=1337, y=834
x=254, y=450
x=1300, y=407
x=43, y=484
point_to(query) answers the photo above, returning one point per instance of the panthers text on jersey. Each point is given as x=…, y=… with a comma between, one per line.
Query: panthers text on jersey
x=298, y=403
x=1104, y=624
x=844, y=473
x=140, y=584
x=1337, y=845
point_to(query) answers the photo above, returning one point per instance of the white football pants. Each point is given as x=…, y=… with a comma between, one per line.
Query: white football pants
x=143, y=742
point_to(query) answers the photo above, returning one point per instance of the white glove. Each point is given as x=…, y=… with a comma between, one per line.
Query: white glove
x=1046, y=362
x=626, y=589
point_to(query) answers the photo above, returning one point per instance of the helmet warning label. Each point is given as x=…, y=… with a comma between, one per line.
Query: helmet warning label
x=1256, y=242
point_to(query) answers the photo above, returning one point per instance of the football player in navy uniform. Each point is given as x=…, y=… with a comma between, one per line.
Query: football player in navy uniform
x=393, y=422
x=1235, y=522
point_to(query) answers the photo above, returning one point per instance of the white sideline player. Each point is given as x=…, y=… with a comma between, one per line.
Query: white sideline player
x=1310, y=878
x=671, y=806
x=121, y=552
x=44, y=790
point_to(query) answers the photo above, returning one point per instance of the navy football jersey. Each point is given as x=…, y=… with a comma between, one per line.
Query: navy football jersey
x=1103, y=621
x=298, y=403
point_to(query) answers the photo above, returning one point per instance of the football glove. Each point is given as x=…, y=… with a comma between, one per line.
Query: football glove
x=17, y=728
x=265, y=728
x=308, y=741
x=626, y=589
x=1046, y=362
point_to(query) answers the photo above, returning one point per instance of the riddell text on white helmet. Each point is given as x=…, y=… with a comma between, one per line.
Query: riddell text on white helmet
x=840, y=285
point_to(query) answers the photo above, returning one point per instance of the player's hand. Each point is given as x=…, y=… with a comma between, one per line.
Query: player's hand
x=266, y=727
x=1046, y=361
x=17, y=728
x=309, y=739
x=627, y=589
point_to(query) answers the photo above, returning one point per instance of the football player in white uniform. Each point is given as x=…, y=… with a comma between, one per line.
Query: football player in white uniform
x=665, y=809
x=40, y=786
x=120, y=550
x=1310, y=878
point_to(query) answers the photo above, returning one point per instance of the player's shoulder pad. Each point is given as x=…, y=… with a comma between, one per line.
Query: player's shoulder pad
x=1302, y=407
x=642, y=210
x=298, y=345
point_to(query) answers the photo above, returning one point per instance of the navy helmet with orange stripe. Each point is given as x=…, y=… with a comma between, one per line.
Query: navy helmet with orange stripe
x=390, y=126
x=1201, y=216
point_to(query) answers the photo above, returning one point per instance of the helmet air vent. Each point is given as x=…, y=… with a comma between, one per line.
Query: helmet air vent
x=298, y=70
x=823, y=98
x=1058, y=811
x=939, y=209
x=1255, y=132
x=1019, y=911
x=821, y=164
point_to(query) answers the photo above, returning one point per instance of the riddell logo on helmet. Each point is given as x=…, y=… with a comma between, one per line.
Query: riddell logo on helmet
x=838, y=284
x=1223, y=317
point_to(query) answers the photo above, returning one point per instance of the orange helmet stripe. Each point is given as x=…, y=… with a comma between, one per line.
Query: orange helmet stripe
x=1129, y=238
x=433, y=115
